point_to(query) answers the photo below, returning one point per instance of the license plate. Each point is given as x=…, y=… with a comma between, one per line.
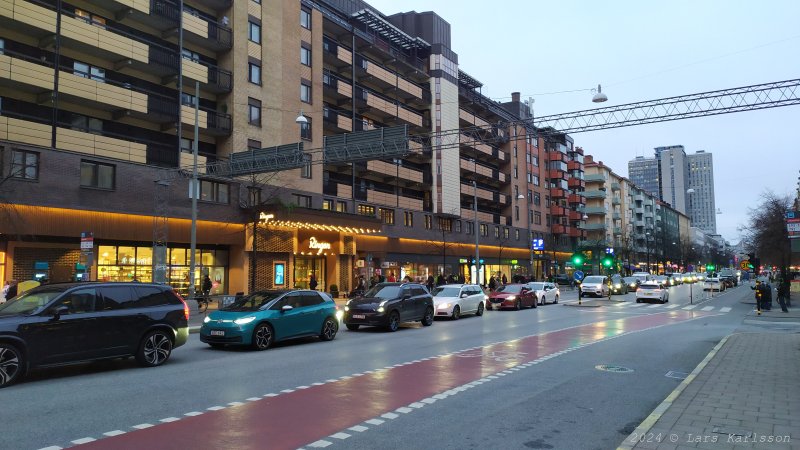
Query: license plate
x=217, y=333
x=359, y=316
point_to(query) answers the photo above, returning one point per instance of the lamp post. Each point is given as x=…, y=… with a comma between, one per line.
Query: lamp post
x=530, y=236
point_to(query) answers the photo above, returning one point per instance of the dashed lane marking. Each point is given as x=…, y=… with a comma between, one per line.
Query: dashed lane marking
x=725, y=309
x=85, y=440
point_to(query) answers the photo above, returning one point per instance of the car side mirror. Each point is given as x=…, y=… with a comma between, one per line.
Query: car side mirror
x=464, y=295
x=59, y=311
x=286, y=308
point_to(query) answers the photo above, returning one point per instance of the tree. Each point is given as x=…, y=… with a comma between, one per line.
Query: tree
x=766, y=234
x=444, y=225
x=11, y=223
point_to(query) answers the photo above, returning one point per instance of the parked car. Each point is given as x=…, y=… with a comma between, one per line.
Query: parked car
x=713, y=284
x=545, y=291
x=265, y=317
x=65, y=323
x=596, y=285
x=514, y=296
x=618, y=285
x=454, y=300
x=651, y=290
x=632, y=282
x=563, y=279
x=388, y=305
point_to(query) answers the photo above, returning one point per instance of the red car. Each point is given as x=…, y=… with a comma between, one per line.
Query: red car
x=512, y=296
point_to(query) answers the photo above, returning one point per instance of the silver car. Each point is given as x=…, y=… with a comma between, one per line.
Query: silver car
x=595, y=285
x=453, y=300
x=545, y=291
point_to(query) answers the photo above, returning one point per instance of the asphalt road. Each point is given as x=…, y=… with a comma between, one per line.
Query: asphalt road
x=560, y=402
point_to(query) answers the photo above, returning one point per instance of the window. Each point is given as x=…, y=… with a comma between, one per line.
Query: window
x=366, y=210
x=516, y=235
x=537, y=199
x=92, y=19
x=445, y=224
x=387, y=216
x=254, y=32
x=496, y=232
x=190, y=55
x=186, y=144
x=305, y=56
x=305, y=17
x=408, y=219
x=516, y=212
x=341, y=207
x=327, y=205
x=305, y=171
x=305, y=130
x=303, y=201
x=211, y=191
x=470, y=227
x=84, y=70
x=516, y=173
x=484, y=229
x=88, y=124
x=537, y=218
x=506, y=233
x=25, y=165
x=79, y=301
x=254, y=73
x=188, y=99
x=254, y=111
x=428, y=222
x=457, y=227
x=253, y=144
x=2, y=46
x=97, y=175
x=305, y=92
x=536, y=161
x=536, y=180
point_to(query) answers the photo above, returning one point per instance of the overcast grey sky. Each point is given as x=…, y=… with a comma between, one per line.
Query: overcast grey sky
x=642, y=50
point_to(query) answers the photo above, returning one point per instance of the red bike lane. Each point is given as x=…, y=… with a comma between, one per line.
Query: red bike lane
x=292, y=420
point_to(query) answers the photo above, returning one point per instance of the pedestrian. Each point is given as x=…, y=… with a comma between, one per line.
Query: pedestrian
x=12, y=290
x=407, y=279
x=391, y=278
x=440, y=280
x=492, y=283
x=783, y=294
x=207, y=285
x=4, y=292
x=312, y=282
x=505, y=280
x=430, y=283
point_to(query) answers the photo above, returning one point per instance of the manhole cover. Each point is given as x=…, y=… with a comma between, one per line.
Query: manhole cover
x=615, y=369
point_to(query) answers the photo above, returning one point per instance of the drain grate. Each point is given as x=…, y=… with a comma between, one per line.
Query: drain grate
x=615, y=369
x=677, y=375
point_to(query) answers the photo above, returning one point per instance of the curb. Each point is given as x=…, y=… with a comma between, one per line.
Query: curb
x=651, y=420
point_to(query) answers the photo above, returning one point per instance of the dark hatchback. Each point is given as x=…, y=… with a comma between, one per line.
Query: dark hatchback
x=389, y=304
x=59, y=324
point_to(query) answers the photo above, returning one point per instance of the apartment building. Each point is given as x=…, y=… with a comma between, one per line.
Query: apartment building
x=98, y=102
x=701, y=200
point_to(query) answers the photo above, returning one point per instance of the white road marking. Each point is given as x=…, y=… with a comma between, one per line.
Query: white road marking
x=637, y=305
x=320, y=444
x=142, y=426
x=404, y=410
x=390, y=416
x=287, y=391
x=114, y=433
x=428, y=400
x=707, y=308
x=358, y=428
x=672, y=306
x=85, y=440
x=193, y=413
x=271, y=394
x=253, y=399
x=725, y=309
x=52, y=447
x=374, y=421
x=340, y=435
x=654, y=306
x=416, y=405
x=169, y=419
x=303, y=387
x=215, y=408
x=235, y=404
x=689, y=307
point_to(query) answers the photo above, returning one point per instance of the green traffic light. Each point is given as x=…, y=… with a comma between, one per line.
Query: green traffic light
x=577, y=260
x=608, y=262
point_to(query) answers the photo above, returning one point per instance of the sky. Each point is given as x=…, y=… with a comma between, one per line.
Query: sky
x=642, y=50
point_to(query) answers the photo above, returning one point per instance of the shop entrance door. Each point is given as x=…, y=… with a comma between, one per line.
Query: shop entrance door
x=304, y=266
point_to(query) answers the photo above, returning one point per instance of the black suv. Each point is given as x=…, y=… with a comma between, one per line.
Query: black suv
x=389, y=304
x=58, y=324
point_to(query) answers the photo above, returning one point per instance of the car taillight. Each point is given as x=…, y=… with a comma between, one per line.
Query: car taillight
x=185, y=305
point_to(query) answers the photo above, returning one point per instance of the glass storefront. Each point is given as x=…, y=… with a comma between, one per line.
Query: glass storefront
x=129, y=263
x=304, y=267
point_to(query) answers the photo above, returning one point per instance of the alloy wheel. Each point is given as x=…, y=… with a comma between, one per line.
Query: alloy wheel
x=427, y=319
x=480, y=309
x=456, y=312
x=155, y=349
x=394, y=321
x=329, y=329
x=10, y=364
x=262, y=337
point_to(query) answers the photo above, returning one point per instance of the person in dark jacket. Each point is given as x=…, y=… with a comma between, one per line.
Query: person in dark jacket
x=783, y=294
x=312, y=282
x=207, y=285
x=12, y=290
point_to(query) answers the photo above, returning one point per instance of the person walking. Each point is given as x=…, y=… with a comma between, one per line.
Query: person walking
x=4, y=292
x=207, y=285
x=505, y=280
x=492, y=283
x=783, y=294
x=312, y=282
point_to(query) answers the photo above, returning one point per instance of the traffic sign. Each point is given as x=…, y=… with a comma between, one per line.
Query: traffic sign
x=87, y=240
x=745, y=264
x=578, y=275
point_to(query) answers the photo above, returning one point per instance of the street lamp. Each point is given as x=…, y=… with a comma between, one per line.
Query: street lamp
x=530, y=236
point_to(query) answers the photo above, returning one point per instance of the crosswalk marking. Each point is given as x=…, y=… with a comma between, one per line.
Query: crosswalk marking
x=689, y=307
x=724, y=309
x=654, y=306
x=672, y=306
x=707, y=308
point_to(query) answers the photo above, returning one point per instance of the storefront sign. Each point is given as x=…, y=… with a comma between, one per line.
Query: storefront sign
x=87, y=240
x=319, y=246
x=360, y=263
x=387, y=264
x=264, y=217
x=280, y=273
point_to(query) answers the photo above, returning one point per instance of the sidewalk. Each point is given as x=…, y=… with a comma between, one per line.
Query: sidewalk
x=743, y=395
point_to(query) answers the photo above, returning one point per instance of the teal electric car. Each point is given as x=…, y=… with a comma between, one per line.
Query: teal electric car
x=263, y=318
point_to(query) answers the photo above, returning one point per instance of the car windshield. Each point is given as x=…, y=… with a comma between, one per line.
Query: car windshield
x=29, y=302
x=593, y=279
x=386, y=292
x=631, y=279
x=253, y=301
x=445, y=291
x=536, y=286
x=510, y=288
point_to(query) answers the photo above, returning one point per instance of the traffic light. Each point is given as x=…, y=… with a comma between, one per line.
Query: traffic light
x=607, y=261
x=709, y=267
x=578, y=259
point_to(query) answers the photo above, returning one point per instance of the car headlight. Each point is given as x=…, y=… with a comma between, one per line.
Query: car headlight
x=346, y=308
x=633, y=285
x=244, y=320
x=381, y=306
x=339, y=315
x=206, y=319
x=511, y=297
x=617, y=286
x=443, y=306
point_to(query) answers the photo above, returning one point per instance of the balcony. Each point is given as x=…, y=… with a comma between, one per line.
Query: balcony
x=336, y=122
x=24, y=131
x=396, y=172
x=205, y=33
x=617, y=231
x=573, y=232
x=98, y=145
x=594, y=178
x=216, y=5
x=556, y=174
x=595, y=194
x=576, y=183
x=558, y=229
x=486, y=174
x=335, y=54
x=557, y=211
x=475, y=148
x=336, y=89
x=556, y=156
x=615, y=186
x=384, y=80
x=575, y=216
x=616, y=216
x=21, y=72
x=616, y=201
x=595, y=210
x=594, y=226
x=574, y=165
x=556, y=193
x=575, y=199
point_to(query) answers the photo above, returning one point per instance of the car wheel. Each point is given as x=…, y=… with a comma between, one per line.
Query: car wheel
x=543, y=301
x=352, y=326
x=12, y=364
x=262, y=337
x=518, y=305
x=427, y=319
x=555, y=302
x=155, y=348
x=480, y=309
x=456, y=312
x=394, y=321
x=329, y=329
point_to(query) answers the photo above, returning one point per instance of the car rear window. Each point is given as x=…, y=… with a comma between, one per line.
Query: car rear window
x=150, y=296
x=593, y=279
x=649, y=286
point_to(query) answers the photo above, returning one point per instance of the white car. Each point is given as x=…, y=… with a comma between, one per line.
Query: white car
x=713, y=284
x=650, y=291
x=642, y=276
x=454, y=300
x=596, y=285
x=545, y=292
